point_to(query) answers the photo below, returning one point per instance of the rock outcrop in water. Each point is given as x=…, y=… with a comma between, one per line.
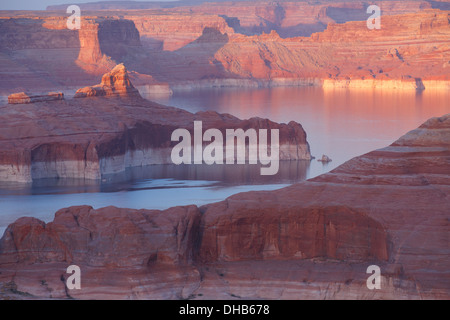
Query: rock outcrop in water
x=110, y=131
x=324, y=159
x=314, y=239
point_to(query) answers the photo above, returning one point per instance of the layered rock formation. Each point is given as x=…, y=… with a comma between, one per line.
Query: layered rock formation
x=39, y=52
x=264, y=46
x=87, y=234
x=342, y=55
x=290, y=19
x=213, y=44
x=22, y=97
x=113, y=83
x=111, y=129
x=171, y=31
x=103, y=40
x=314, y=239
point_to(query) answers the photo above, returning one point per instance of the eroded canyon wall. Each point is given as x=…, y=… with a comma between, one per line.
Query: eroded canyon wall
x=279, y=43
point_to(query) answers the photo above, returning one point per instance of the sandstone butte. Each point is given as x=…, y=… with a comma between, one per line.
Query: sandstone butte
x=107, y=128
x=315, y=239
x=231, y=44
x=113, y=83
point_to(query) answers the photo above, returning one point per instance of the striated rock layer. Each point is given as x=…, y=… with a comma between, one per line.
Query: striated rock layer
x=113, y=83
x=111, y=129
x=314, y=239
x=22, y=97
x=264, y=43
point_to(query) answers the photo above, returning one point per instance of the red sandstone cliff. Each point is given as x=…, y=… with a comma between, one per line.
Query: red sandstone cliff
x=314, y=239
x=346, y=51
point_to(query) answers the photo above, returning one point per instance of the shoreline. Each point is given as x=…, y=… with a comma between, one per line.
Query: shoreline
x=190, y=85
x=398, y=84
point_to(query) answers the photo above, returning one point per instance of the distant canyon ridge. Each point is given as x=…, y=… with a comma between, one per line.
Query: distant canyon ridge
x=249, y=43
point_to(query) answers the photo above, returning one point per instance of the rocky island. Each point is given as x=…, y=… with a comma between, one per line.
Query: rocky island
x=107, y=128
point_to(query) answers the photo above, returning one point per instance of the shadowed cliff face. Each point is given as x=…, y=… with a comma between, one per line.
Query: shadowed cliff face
x=194, y=61
x=117, y=38
x=314, y=239
x=104, y=42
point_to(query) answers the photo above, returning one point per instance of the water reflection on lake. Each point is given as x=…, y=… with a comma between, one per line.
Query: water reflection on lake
x=340, y=123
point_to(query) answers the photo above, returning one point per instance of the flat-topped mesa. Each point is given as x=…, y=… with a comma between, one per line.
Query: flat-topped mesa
x=22, y=97
x=114, y=83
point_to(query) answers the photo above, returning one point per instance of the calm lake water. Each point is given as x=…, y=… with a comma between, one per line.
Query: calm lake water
x=340, y=123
